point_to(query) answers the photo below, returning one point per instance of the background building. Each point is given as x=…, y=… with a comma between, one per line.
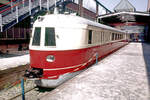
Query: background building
x=128, y=19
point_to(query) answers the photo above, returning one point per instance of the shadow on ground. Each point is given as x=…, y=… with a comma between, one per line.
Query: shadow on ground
x=13, y=54
x=146, y=54
x=42, y=89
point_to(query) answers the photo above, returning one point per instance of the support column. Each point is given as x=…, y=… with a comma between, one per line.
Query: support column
x=148, y=6
x=81, y=8
x=1, y=23
x=30, y=7
x=47, y=5
x=40, y=4
x=107, y=12
x=23, y=3
x=97, y=10
x=17, y=14
x=11, y=5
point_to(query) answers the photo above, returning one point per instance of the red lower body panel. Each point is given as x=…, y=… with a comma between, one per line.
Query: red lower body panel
x=67, y=61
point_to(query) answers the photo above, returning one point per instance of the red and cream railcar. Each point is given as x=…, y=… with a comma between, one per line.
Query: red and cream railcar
x=65, y=44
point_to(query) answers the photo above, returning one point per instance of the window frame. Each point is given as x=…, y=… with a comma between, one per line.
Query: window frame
x=48, y=45
x=90, y=36
x=33, y=37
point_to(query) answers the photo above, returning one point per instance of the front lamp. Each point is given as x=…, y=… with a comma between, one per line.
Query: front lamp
x=50, y=58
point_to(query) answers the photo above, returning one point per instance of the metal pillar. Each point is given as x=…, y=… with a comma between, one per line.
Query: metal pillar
x=97, y=10
x=40, y=4
x=1, y=23
x=23, y=3
x=107, y=12
x=47, y=5
x=30, y=7
x=22, y=87
x=96, y=58
x=81, y=8
x=11, y=5
x=148, y=6
x=55, y=3
x=17, y=14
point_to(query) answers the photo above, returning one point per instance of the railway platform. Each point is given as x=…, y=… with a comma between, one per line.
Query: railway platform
x=124, y=75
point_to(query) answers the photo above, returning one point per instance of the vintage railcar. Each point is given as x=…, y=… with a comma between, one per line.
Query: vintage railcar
x=62, y=45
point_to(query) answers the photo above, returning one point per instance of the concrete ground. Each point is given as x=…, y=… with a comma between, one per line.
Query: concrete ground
x=124, y=75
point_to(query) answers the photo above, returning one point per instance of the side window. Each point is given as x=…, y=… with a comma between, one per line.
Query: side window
x=90, y=37
x=102, y=37
x=113, y=36
x=37, y=36
x=50, y=37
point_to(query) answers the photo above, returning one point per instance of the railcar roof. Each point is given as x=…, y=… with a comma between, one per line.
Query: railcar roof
x=61, y=20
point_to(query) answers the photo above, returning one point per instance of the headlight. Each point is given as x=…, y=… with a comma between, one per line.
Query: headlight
x=50, y=58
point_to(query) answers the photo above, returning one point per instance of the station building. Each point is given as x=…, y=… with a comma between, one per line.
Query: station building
x=125, y=17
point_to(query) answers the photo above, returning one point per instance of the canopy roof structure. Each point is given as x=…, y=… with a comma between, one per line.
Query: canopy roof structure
x=124, y=5
x=125, y=17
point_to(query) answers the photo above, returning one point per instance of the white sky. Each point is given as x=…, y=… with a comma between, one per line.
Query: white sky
x=140, y=5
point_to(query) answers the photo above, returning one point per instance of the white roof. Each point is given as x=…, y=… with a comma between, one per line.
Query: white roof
x=70, y=21
x=130, y=13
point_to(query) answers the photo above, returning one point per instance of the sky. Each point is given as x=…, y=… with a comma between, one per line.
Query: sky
x=140, y=5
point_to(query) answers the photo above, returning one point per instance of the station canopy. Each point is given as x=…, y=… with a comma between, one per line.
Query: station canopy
x=121, y=17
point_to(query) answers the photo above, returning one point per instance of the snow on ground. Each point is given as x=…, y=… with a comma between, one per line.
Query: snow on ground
x=13, y=60
x=121, y=76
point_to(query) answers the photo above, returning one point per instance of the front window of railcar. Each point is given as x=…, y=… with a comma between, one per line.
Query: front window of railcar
x=37, y=36
x=50, y=37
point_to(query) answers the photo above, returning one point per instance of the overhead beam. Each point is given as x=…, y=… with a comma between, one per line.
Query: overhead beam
x=107, y=10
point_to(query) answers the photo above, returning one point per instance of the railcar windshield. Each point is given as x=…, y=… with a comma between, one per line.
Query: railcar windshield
x=50, y=37
x=37, y=36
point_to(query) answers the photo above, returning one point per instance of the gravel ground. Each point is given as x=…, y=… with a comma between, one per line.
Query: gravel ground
x=32, y=92
x=14, y=91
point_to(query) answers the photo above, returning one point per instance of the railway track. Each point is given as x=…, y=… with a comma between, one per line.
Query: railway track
x=10, y=87
x=10, y=77
x=32, y=92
